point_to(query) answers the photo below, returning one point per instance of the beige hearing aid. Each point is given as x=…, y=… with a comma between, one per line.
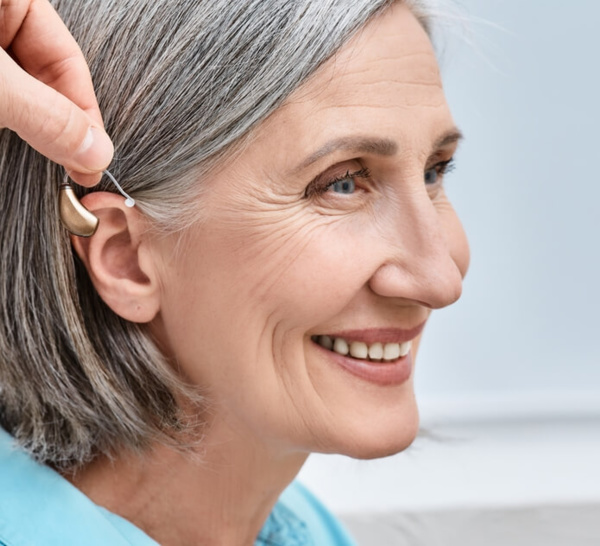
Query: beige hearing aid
x=75, y=217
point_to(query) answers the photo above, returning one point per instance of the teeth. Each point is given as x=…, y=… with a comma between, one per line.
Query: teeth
x=376, y=351
x=391, y=351
x=326, y=341
x=405, y=348
x=358, y=349
x=340, y=346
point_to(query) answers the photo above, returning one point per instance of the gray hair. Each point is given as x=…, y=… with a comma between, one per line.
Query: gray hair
x=181, y=84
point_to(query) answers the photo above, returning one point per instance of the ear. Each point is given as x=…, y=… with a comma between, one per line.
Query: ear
x=119, y=258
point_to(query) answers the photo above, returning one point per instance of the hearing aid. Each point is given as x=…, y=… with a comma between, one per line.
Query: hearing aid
x=75, y=217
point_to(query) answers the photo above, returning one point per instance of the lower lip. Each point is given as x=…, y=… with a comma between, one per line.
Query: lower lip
x=395, y=372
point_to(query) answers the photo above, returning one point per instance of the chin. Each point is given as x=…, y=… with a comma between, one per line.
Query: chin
x=385, y=446
x=380, y=437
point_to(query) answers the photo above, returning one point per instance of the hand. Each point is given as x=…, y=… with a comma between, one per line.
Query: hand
x=46, y=91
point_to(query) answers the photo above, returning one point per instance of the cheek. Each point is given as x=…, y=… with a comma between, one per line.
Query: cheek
x=259, y=282
x=332, y=264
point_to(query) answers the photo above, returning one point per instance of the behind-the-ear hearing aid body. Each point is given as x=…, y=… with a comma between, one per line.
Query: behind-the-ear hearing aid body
x=75, y=217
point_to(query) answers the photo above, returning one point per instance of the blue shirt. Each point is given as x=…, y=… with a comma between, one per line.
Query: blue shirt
x=40, y=507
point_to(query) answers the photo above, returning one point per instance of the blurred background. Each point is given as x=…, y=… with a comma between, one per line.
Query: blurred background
x=508, y=379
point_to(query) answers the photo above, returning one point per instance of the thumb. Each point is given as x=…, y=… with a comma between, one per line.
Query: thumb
x=52, y=124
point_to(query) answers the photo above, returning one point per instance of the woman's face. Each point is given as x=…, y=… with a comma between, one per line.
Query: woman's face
x=332, y=222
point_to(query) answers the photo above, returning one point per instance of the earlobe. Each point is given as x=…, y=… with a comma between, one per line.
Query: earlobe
x=118, y=259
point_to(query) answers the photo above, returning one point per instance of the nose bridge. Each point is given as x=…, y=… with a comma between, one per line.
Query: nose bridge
x=419, y=266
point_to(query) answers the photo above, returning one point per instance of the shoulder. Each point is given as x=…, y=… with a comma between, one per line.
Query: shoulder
x=322, y=526
x=38, y=506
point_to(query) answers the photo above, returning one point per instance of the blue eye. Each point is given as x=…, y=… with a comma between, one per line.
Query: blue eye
x=431, y=176
x=345, y=186
x=342, y=185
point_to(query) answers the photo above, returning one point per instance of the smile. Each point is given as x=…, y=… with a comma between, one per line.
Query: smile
x=372, y=352
x=382, y=356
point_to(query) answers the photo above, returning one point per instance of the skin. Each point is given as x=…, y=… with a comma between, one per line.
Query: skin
x=46, y=92
x=235, y=302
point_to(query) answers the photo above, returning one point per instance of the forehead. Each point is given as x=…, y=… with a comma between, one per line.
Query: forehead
x=392, y=50
x=384, y=80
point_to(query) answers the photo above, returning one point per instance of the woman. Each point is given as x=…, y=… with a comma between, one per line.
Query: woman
x=265, y=297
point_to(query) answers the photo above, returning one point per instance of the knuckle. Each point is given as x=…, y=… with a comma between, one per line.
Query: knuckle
x=12, y=15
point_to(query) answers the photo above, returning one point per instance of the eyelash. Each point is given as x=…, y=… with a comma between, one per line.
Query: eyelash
x=316, y=189
x=441, y=168
x=362, y=173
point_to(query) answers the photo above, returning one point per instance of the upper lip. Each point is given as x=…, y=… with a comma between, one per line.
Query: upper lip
x=382, y=335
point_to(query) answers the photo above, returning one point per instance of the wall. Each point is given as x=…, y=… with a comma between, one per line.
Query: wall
x=525, y=94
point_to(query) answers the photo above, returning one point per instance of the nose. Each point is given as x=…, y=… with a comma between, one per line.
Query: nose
x=419, y=264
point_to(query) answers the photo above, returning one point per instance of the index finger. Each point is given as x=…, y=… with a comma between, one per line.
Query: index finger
x=43, y=46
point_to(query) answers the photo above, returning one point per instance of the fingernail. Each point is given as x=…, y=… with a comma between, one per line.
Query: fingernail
x=96, y=151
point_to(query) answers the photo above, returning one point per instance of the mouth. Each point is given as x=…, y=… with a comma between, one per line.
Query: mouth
x=378, y=351
x=378, y=355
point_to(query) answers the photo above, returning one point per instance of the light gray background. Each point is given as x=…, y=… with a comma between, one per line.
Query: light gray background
x=527, y=187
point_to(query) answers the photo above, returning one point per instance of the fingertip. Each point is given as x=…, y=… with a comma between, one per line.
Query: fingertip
x=95, y=152
x=85, y=179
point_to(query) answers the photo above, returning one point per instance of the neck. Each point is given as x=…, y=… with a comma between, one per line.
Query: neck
x=220, y=494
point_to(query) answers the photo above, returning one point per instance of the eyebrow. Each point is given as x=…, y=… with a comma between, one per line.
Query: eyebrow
x=450, y=137
x=372, y=145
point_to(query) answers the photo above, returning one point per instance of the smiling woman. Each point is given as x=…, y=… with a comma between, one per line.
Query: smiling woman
x=266, y=296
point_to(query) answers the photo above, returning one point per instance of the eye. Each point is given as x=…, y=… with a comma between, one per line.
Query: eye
x=344, y=186
x=435, y=173
x=431, y=176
